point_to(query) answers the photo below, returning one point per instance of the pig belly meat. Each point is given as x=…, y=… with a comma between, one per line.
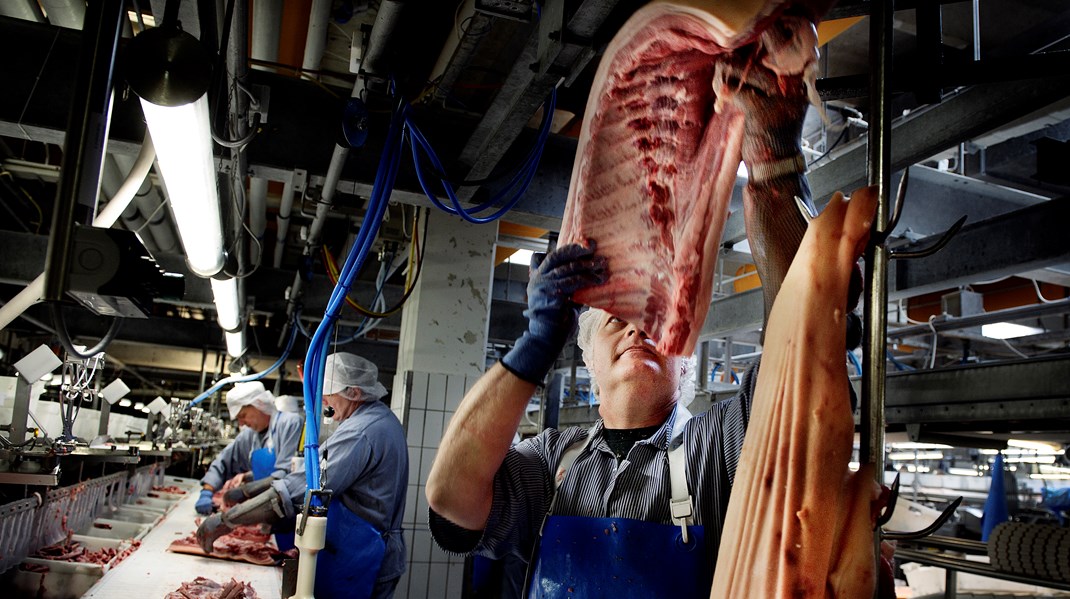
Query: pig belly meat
x=657, y=161
x=799, y=523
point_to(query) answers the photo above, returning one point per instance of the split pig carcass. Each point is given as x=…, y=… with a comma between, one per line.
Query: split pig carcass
x=799, y=524
x=685, y=91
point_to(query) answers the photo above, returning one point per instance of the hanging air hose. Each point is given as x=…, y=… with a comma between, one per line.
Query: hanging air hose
x=251, y=377
x=522, y=177
x=317, y=350
x=412, y=276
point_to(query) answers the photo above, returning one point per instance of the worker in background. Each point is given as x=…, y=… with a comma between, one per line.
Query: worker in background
x=610, y=480
x=366, y=464
x=262, y=450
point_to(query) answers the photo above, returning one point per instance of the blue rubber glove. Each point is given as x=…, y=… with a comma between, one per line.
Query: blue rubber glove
x=551, y=313
x=204, y=502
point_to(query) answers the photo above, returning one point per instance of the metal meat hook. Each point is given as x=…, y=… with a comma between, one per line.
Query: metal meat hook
x=893, y=535
x=879, y=237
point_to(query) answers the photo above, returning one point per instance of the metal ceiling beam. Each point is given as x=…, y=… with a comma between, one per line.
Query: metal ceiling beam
x=1037, y=390
x=1023, y=240
x=525, y=89
x=929, y=131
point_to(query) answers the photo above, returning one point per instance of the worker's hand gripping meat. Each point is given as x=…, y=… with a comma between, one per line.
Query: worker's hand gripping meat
x=265, y=508
x=551, y=312
x=204, y=502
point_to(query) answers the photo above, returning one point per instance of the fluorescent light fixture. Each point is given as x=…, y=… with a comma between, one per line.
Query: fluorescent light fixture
x=1050, y=476
x=139, y=405
x=235, y=343
x=183, y=143
x=963, y=471
x=1041, y=447
x=921, y=469
x=1006, y=330
x=227, y=310
x=125, y=403
x=912, y=455
x=1031, y=459
x=145, y=409
x=911, y=445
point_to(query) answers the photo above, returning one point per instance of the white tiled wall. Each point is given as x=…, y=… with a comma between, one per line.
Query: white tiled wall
x=430, y=400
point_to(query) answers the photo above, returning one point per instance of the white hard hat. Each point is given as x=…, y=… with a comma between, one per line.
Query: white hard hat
x=344, y=370
x=250, y=394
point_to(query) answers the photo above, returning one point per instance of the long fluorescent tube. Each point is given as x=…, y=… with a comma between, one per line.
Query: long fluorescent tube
x=235, y=343
x=1007, y=330
x=963, y=471
x=183, y=143
x=228, y=314
x=911, y=455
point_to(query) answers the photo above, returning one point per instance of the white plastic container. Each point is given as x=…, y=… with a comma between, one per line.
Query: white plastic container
x=63, y=580
x=104, y=528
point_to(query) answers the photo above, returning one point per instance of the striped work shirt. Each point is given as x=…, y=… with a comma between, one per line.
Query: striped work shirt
x=598, y=486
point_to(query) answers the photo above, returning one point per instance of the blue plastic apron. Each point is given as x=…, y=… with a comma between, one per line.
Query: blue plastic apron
x=620, y=557
x=349, y=563
x=262, y=461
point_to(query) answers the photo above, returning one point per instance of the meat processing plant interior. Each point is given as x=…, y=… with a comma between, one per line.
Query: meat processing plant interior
x=724, y=298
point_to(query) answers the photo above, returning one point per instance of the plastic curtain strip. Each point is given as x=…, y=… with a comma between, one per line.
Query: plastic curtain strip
x=317, y=350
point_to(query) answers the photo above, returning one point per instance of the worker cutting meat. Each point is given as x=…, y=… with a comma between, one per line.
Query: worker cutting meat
x=260, y=453
x=366, y=464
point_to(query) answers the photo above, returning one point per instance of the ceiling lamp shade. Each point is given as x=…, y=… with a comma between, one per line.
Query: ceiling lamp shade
x=170, y=72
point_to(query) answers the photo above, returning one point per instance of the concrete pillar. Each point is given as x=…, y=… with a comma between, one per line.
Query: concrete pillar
x=442, y=352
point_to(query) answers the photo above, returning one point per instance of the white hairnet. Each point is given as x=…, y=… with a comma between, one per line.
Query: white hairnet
x=345, y=370
x=288, y=403
x=591, y=319
x=250, y=394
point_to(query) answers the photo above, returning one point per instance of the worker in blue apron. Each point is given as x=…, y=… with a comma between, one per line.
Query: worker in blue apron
x=262, y=450
x=631, y=507
x=365, y=464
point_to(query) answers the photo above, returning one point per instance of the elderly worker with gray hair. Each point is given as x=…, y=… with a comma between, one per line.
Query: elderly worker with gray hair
x=631, y=507
x=366, y=462
x=262, y=450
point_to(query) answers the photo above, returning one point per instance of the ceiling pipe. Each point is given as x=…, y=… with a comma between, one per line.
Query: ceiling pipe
x=149, y=203
x=65, y=13
x=282, y=221
x=323, y=207
x=238, y=67
x=258, y=190
x=110, y=180
x=376, y=60
x=267, y=25
x=316, y=40
x=27, y=10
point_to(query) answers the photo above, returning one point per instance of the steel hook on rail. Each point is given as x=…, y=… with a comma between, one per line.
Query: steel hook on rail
x=894, y=535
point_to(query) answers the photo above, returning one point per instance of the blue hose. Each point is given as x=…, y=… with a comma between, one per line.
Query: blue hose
x=523, y=175
x=317, y=351
x=251, y=377
x=855, y=362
